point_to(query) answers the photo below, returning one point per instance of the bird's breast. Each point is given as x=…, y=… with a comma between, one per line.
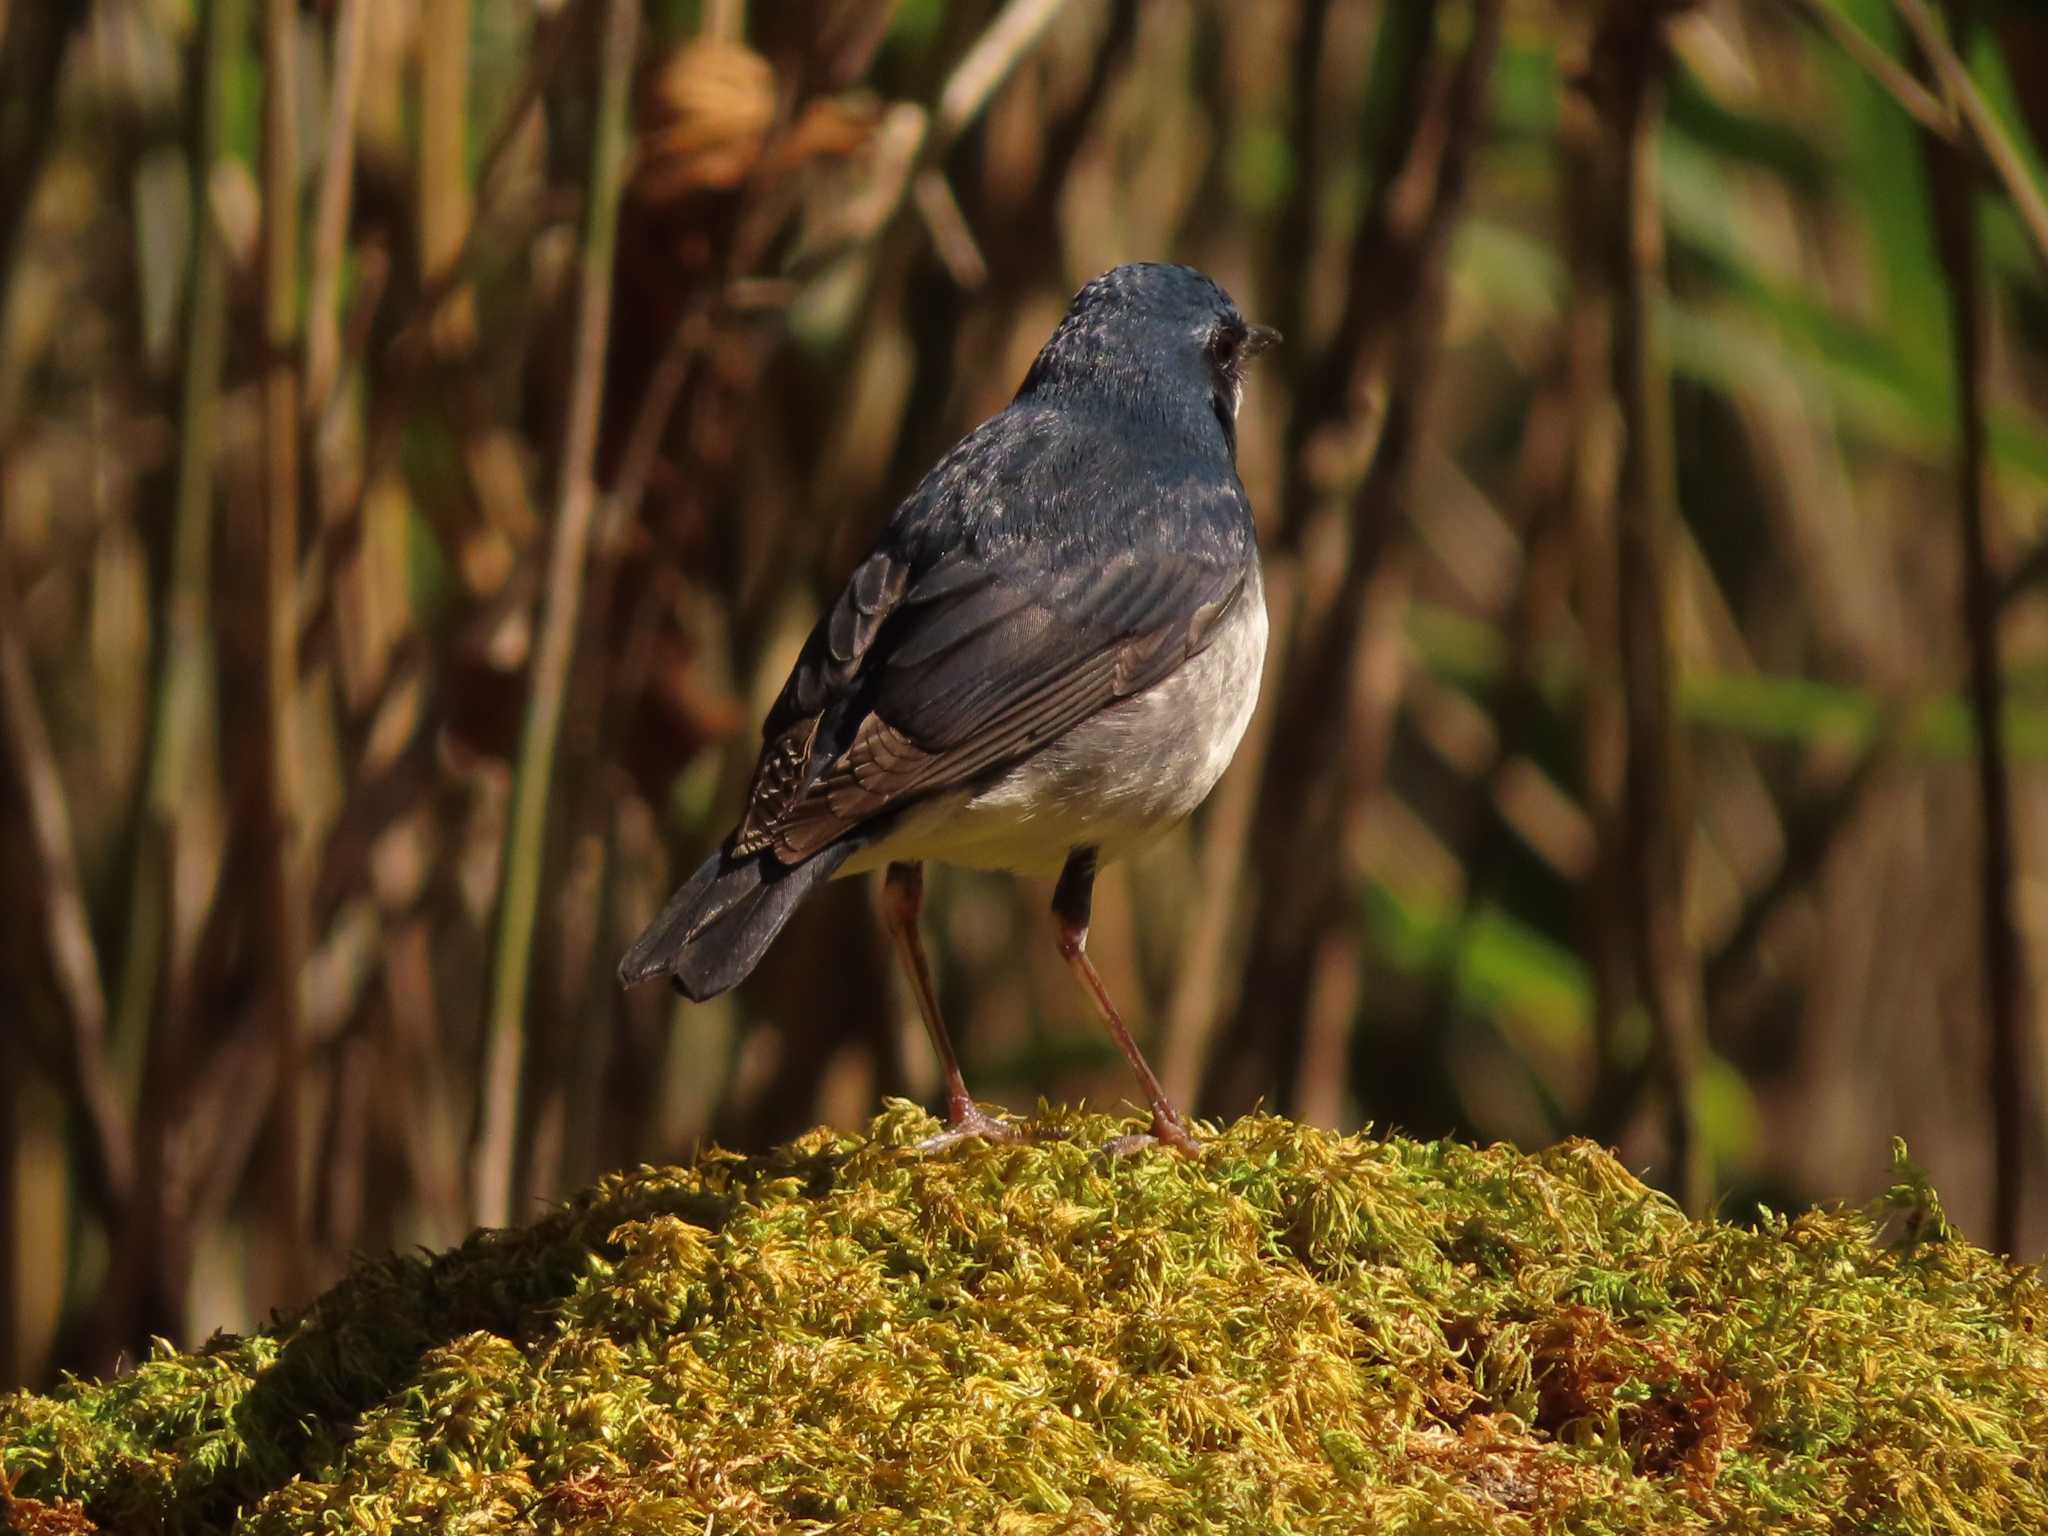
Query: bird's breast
x=1115, y=782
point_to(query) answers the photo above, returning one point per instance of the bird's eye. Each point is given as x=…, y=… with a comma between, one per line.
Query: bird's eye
x=1225, y=340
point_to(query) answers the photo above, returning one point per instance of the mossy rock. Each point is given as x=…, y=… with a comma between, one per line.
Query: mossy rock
x=1295, y=1332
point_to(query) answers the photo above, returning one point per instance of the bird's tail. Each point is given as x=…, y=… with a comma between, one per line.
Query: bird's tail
x=714, y=931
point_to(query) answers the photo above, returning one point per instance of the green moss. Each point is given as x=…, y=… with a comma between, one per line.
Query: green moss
x=1297, y=1332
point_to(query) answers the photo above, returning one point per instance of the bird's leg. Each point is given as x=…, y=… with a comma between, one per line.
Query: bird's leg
x=902, y=901
x=1072, y=902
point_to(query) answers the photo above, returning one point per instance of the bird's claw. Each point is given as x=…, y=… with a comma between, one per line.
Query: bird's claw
x=1171, y=1134
x=972, y=1124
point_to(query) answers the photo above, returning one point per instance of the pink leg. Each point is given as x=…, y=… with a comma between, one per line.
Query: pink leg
x=1072, y=902
x=902, y=901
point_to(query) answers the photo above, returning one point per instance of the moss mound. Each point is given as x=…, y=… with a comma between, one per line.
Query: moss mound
x=1297, y=1333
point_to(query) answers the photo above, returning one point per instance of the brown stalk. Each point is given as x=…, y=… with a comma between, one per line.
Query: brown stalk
x=1814, y=834
x=153, y=1013
x=14, y=1092
x=181, y=698
x=2007, y=164
x=446, y=227
x=726, y=19
x=1956, y=238
x=345, y=605
x=1196, y=1002
x=1914, y=99
x=283, y=864
x=67, y=930
x=594, y=717
x=495, y=1151
x=444, y=196
x=995, y=55
x=1016, y=30
x=1627, y=80
x=1208, y=964
x=1543, y=497
x=218, y=1138
x=1209, y=969
x=1335, y=735
x=330, y=227
x=1605, y=921
x=36, y=37
x=1964, y=117
x=1295, y=235
x=1298, y=901
x=2026, y=574
x=650, y=421
x=1329, y=384
x=552, y=39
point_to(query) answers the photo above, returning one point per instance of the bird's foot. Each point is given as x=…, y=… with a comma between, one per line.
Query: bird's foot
x=971, y=1124
x=1166, y=1132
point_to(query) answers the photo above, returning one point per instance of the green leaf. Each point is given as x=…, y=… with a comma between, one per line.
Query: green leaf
x=1756, y=139
x=1887, y=183
x=1756, y=332
x=1759, y=706
x=1499, y=966
x=1525, y=93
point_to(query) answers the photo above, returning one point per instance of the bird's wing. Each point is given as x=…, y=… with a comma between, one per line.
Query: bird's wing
x=914, y=685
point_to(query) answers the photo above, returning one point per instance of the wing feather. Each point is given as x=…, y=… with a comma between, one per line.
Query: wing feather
x=944, y=660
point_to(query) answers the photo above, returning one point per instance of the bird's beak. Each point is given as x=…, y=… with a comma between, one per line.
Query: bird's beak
x=1259, y=338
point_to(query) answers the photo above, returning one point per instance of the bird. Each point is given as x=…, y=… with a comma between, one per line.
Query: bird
x=1044, y=664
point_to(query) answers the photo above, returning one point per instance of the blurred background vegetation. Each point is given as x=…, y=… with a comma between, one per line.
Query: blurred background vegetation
x=428, y=428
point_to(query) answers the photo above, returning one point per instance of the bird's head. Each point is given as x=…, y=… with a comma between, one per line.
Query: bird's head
x=1163, y=341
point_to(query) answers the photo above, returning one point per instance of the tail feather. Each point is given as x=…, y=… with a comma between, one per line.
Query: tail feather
x=716, y=928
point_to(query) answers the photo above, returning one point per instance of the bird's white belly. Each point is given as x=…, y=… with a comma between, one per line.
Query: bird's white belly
x=1116, y=782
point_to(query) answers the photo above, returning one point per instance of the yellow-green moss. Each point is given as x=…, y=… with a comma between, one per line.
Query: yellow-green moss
x=1297, y=1332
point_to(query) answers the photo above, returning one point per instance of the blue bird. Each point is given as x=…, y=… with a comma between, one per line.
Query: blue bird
x=1045, y=663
